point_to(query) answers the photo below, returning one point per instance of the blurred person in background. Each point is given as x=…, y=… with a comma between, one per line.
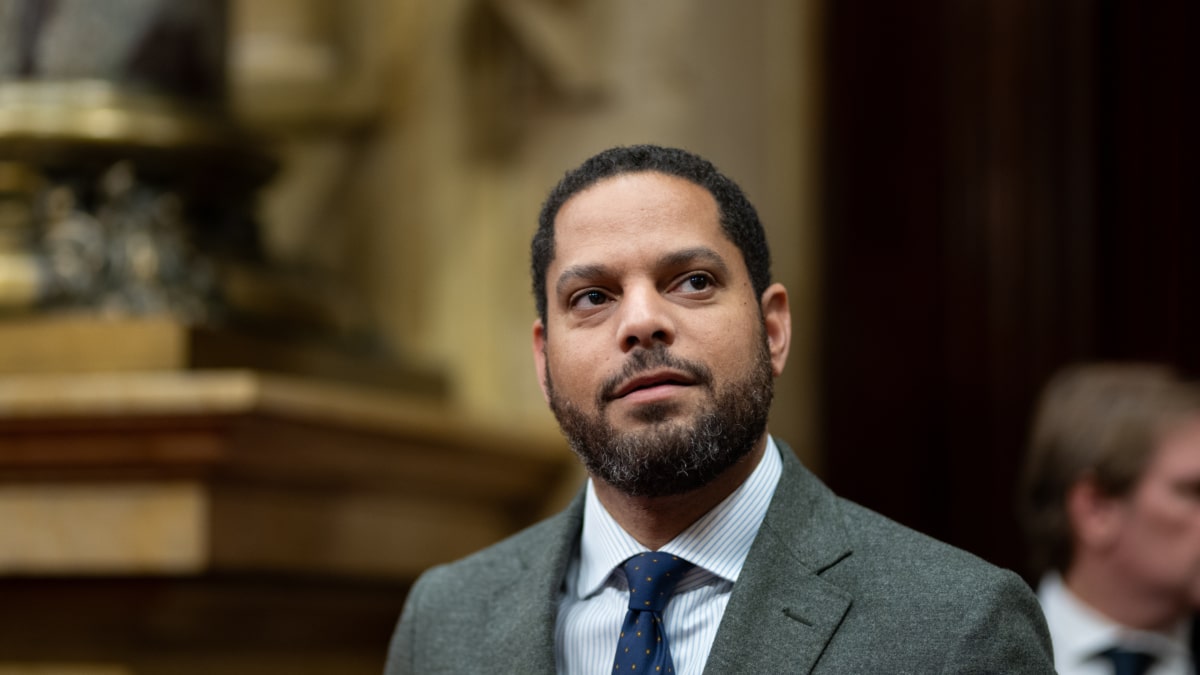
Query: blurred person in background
x=1110, y=502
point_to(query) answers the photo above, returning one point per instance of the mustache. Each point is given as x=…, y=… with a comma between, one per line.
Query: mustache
x=642, y=360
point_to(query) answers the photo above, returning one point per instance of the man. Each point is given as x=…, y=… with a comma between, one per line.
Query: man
x=1111, y=503
x=658, y=339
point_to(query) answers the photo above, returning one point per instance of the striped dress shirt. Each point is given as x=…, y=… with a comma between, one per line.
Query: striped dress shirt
x=596, y=596
x=1079, y=633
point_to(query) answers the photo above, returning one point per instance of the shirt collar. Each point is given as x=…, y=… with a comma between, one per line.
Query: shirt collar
x=718, y=541
x=1079, y=632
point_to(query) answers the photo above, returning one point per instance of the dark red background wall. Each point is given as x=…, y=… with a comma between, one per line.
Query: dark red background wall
x=1010, y=186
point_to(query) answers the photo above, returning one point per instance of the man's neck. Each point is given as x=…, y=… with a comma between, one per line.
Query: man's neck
x=1124, y=602
x=654, y=521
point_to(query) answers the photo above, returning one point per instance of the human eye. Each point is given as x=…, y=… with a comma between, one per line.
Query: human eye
x=696, y=283
x=1189, y=489
x=588, y=299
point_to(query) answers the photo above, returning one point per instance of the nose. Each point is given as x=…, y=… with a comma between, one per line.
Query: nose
x=646, y=319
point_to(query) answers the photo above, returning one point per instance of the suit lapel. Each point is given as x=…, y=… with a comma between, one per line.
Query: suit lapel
x=522, y=614
x=782, y=614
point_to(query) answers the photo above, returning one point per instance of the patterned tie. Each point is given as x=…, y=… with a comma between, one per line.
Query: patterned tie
x=1128, y=662
x=643, y=644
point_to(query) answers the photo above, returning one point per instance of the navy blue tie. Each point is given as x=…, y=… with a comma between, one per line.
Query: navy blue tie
x=1128, y=662
x=642, y=647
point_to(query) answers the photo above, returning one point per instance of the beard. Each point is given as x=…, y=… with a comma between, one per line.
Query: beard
x=670, y=456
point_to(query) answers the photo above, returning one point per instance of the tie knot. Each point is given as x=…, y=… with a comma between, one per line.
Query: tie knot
x=652, y=578
x=1128, y=661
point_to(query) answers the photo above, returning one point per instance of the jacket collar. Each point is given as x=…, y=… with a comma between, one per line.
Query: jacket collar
x=781, y=599
x=523, y=613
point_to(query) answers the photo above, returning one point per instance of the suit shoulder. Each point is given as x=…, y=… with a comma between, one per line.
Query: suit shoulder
x=914, y=562
x=486, y=567
x=450, y=613
x=977, y=616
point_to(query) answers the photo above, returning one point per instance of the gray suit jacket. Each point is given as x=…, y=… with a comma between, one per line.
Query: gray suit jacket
x=828, y=587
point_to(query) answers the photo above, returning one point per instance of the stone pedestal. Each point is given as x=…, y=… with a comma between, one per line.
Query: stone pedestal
x=176, y=521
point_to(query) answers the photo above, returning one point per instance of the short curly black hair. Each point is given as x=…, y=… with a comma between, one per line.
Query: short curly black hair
x=739, y=219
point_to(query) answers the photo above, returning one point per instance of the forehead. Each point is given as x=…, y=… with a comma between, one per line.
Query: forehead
x=1178, y=452
x=626, y=212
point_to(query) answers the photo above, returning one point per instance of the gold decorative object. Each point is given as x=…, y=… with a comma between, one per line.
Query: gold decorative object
x=128, y=194
x=116, y=113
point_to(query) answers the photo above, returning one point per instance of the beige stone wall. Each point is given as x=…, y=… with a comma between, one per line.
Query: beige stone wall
x=421, y=188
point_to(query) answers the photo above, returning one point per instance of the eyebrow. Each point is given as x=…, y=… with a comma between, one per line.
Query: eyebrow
x=702, y=254
x=695, y=254
x=579, y=272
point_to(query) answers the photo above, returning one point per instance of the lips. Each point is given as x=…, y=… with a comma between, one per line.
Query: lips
x=651, y=379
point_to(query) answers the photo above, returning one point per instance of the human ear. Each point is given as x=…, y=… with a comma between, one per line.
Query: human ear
x=1095, y=516
x=777, y=321
x=539, y=356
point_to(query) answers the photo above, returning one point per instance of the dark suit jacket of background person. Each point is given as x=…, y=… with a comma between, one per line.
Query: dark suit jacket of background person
x=828, y=587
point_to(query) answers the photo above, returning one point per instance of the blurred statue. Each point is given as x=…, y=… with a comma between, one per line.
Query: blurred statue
x=131, y=179
x=171, y=46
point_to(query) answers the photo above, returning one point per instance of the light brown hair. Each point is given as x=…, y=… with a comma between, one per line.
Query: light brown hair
x=1102, y=421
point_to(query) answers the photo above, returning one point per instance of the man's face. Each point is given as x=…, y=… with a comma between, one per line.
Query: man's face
x=1157, y=545
x=657, y=358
